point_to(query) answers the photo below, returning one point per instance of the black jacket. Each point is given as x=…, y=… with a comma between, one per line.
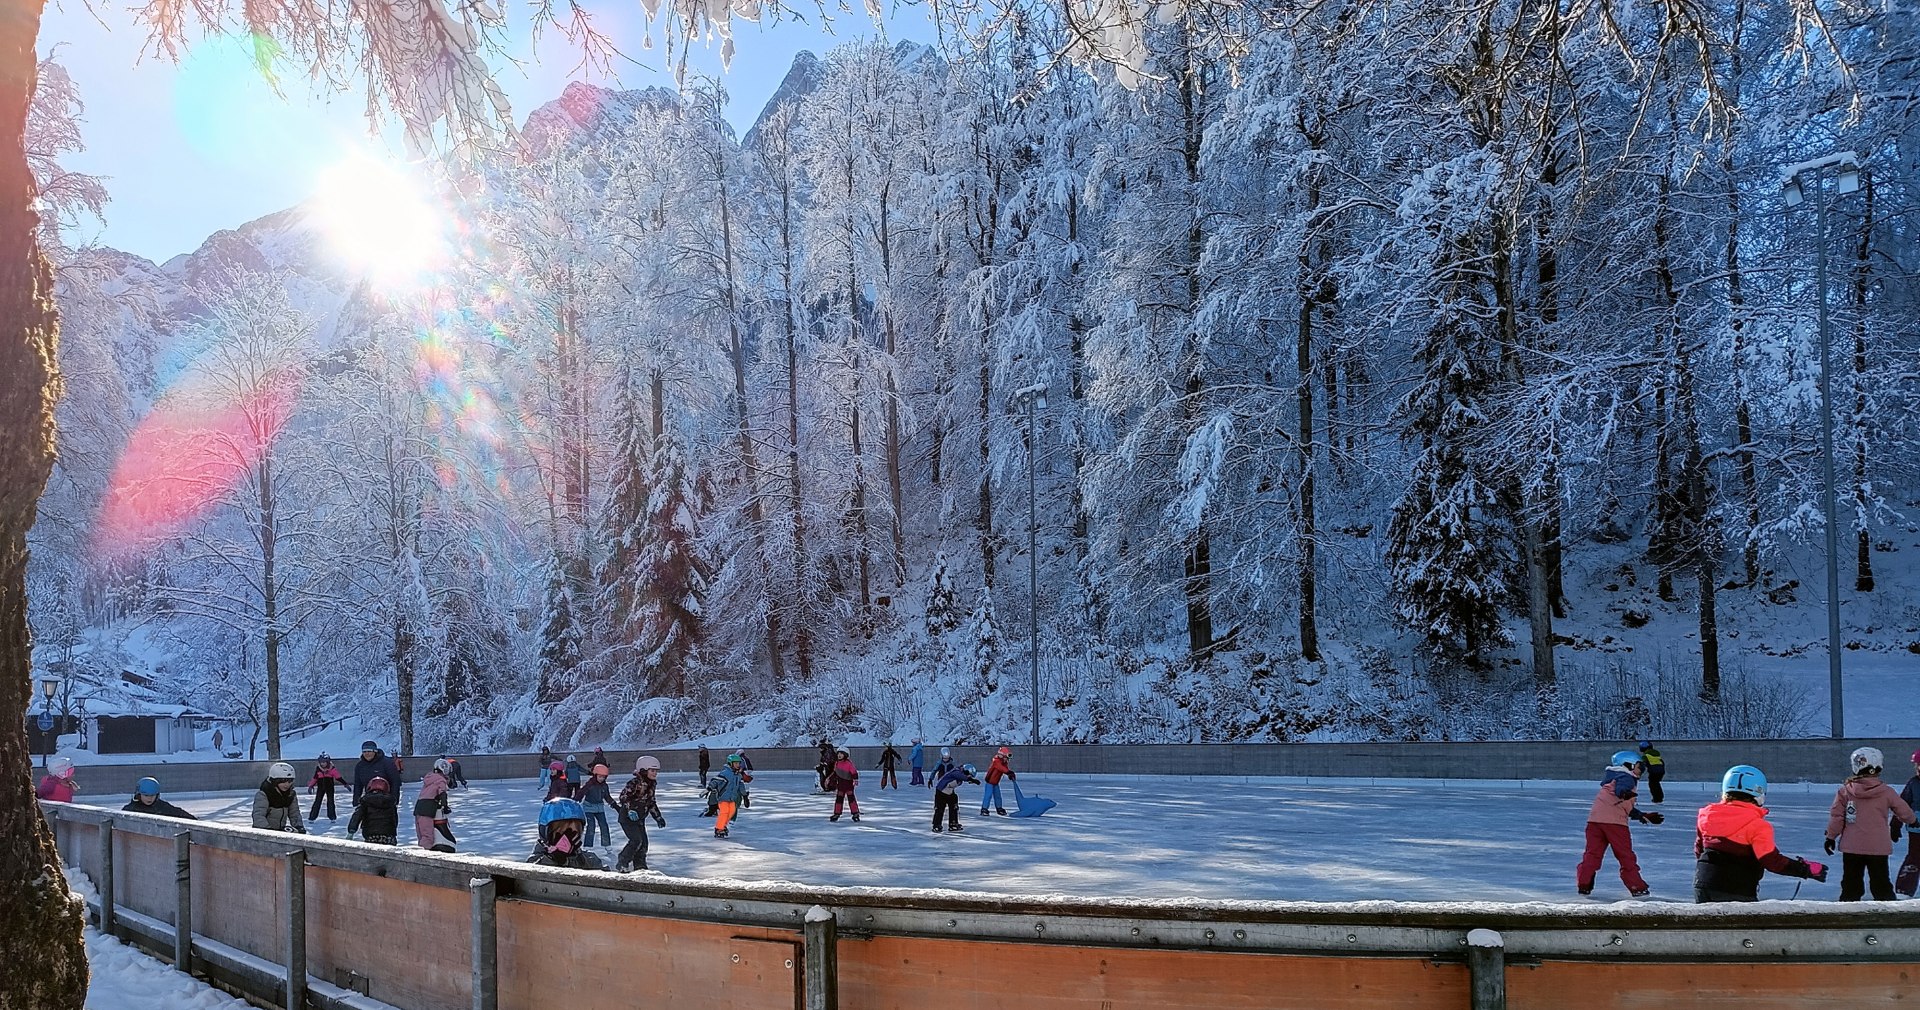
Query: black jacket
x=159, y=808
x=365, y=771
x=578, y=859
x=377, y=816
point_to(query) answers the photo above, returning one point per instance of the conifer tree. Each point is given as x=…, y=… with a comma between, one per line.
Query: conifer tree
x=943, y=601
x=560, y=649
x=669, y=573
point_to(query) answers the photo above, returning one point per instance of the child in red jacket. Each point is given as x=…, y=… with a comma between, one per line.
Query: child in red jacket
x=1001, y=768
x=1613, y=808
x=843, y=777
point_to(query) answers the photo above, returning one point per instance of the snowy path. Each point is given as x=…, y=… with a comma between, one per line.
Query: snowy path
x=1161, y=837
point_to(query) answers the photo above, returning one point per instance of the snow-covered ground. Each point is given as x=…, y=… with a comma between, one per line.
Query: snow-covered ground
x=1165, y=837
x=125, y=978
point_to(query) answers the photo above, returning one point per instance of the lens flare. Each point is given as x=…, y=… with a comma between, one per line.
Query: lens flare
x=380, y=220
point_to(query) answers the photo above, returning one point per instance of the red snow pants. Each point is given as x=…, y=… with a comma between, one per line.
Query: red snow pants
x=1601, y=837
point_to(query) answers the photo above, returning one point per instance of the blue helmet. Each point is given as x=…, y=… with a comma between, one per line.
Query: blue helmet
x=970, y=770
x=1746, y=780
x=148, y=786
x=560, y=810
x=1646, y=745
x=1625, y=758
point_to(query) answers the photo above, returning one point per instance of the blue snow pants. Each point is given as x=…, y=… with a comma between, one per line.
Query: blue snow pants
x=598, y=817
x=991, y=792
x=918, y=778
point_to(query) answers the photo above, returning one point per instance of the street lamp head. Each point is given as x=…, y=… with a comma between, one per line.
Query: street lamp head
x=1791, y=188
x=47, y=686
x=1849, y=181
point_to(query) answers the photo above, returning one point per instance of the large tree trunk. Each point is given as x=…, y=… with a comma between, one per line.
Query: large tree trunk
x=43, y=963
x=1862, y=282
x=1309, y=533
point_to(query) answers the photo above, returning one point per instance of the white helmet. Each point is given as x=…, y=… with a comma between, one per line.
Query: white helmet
x=280, y=771
x=946, y=752
x=443, y=766
x=60, y=766
x=1868, y=761
x=649, y=762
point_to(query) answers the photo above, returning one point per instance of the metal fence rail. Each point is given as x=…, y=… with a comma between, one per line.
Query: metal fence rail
x=302, y=921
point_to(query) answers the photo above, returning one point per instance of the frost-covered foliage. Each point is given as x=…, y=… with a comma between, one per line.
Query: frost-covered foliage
x=1367, y=353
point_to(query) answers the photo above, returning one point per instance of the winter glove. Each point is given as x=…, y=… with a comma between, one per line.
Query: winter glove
x=1818, y=871
x=1654, y=817
x=1894, y=830
x=1828, y=846
x=660, y=822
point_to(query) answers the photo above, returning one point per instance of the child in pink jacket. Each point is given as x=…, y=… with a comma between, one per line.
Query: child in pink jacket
x=431, y=806
x=1859, y=825
x=1613, y=807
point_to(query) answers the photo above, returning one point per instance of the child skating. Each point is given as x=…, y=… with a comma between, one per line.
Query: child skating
x=728, y=788
x=845, y=777
x=561, y=824
x=594, y=794
x=946, y=797
x=1908, y=879
x=431, y=806
x=889, y=758
x=1002, y=767
x=1656, y=769
x=1733, y=842
x=916, y=759
x=1865, y=817
x=326, y=778
x=377, y=818
x=1607, y=819
x=638, y=801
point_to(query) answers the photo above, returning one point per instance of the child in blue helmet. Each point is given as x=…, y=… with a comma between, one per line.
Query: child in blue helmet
x=946, y=796
x=1613, y=808
x=1733, y=842
x=146, y=800
x=562, y=823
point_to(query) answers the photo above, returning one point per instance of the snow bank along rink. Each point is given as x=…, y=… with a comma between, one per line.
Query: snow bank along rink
x=1157, y=837
x=128, y=978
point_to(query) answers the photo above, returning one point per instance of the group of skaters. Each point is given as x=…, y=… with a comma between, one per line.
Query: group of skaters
x=578, y=796
x=1733, y=842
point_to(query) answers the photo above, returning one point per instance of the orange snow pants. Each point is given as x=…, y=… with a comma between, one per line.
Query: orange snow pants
x=727, y=808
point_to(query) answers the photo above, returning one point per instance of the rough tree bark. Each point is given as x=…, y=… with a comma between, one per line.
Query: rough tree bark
x=43, y=962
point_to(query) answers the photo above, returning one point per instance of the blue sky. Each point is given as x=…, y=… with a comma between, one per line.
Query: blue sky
x=194, y=147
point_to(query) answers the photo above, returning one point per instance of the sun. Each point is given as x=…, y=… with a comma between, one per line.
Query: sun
x=379, y=219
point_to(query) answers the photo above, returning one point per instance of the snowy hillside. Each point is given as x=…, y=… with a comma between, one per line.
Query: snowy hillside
x=696, y=436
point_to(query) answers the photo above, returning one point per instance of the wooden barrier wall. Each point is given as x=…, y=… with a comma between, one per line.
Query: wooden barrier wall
x=420, y=931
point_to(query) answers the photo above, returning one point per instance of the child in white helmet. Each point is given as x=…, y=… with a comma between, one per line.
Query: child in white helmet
x=1858, y=825
x=58, y=783
x=275, y=807
x=638, y=801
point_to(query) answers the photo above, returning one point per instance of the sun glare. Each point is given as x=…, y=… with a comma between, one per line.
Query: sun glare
x=379, y=219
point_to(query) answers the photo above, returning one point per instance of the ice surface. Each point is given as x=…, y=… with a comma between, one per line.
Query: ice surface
x=1200, y=838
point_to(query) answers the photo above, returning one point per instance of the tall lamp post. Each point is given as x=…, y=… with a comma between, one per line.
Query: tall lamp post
x=1843, y=168
x=48, y=731
x=1031, y=400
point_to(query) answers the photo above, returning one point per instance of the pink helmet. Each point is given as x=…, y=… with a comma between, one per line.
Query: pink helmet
x=556, y=767
x=1916, y=757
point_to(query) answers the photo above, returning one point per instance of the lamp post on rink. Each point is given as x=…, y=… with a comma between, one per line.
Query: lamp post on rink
x=1843, y=168
x=1030, y=401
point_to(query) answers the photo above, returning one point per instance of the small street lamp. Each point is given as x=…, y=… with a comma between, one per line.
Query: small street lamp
x=1031, y=400
x=1844, y=168
x=48, y=731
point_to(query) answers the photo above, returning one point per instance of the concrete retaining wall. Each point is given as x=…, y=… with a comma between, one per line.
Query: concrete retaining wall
x=1698, y=760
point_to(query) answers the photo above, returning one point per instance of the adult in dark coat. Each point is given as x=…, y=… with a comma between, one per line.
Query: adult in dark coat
x=374, y=763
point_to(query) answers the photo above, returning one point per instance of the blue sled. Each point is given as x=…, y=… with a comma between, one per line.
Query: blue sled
x=1029, y=806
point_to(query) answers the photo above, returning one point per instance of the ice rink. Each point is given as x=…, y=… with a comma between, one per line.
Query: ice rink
x=1158, y=837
